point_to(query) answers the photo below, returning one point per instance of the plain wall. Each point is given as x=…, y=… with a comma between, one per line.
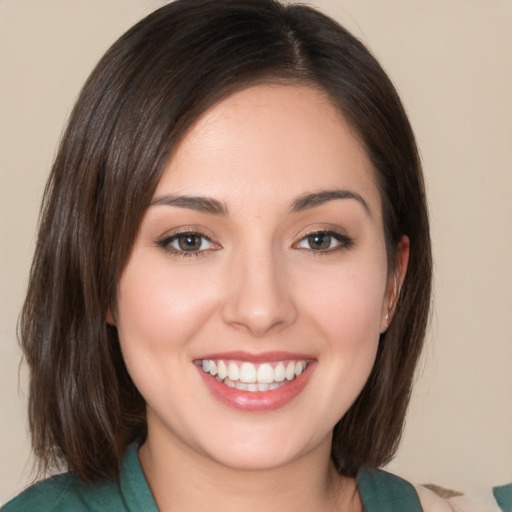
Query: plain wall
x=451, y=61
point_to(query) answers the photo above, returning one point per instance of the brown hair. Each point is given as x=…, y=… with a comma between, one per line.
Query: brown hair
x=152, y=84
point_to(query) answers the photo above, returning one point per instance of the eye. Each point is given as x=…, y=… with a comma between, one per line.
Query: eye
x=324, y=241
x=187, y=243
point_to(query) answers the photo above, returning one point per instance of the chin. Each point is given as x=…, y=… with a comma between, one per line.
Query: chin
x=263, y=450
x=254, y=458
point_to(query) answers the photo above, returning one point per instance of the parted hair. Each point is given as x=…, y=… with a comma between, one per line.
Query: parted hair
x=147, y=90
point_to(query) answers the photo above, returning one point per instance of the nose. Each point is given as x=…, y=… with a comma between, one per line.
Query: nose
x=259, y=295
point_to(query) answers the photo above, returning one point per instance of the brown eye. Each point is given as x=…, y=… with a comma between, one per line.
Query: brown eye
x=319, y=241
x=189, y=241
x=324, y=241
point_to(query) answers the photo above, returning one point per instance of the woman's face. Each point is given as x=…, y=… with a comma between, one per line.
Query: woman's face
x=250, y=310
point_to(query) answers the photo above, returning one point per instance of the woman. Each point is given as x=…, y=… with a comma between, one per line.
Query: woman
x=232, y=278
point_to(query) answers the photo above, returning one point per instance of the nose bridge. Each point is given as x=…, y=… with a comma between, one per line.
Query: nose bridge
x=259, y=297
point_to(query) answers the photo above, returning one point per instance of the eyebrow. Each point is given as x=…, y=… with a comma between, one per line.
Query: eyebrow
x=215, y=207
x=312, y=200
x=198, y=203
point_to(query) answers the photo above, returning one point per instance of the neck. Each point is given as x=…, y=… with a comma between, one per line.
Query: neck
x=181, y=479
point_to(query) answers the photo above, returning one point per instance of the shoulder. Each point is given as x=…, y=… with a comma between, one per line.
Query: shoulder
x=382, y=491
x=65, y=493
x=43, y=496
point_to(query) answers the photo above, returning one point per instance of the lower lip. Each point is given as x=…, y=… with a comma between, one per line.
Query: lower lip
x=257, y=401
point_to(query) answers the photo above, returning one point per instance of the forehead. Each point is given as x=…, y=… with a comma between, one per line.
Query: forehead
x=276, y=141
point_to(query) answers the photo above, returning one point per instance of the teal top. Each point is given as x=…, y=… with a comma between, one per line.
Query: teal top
x=380, y=492
x=503, y=495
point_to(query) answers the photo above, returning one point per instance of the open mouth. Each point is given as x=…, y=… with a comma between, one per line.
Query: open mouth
x=246, y=376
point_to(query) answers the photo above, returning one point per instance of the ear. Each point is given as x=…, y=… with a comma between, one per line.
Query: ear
x=395, y=281
x=110, y=318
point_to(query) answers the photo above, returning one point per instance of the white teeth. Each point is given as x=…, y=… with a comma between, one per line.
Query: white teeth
x=279, y=372
x=222, y=370
x=266, y=374
x=243, y=386
x=253, y=377
x=233, y=371
x=248, y=373
x=290, y=370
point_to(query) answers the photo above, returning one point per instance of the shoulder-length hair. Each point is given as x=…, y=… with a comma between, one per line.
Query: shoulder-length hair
x=147, y=90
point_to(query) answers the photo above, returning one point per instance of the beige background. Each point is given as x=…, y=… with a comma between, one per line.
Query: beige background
x=452, y=63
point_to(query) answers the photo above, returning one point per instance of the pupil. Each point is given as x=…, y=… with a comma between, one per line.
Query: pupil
x=319, y=241
x=189, y=242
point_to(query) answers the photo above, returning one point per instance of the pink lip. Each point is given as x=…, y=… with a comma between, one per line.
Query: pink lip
x=259, y=401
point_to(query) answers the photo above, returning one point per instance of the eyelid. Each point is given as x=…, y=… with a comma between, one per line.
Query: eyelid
x=164, y=241
x=345, y=241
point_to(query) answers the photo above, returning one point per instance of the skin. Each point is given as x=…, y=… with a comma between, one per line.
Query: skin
x=256, y=285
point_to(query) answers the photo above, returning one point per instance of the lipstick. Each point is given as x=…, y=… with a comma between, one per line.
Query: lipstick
x=253, y=382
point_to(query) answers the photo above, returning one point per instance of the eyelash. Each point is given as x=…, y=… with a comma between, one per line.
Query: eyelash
x=165, y=244
x=344, y=242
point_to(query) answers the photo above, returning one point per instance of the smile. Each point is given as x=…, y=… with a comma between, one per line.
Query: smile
x=246, y=376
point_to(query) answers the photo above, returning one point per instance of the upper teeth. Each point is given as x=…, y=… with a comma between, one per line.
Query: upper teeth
x=265, y=373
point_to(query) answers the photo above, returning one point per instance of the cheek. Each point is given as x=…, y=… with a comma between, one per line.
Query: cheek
x=350, y=324
x=160, y=310
x=348, y=301
x=159, y=314
x=344, y=309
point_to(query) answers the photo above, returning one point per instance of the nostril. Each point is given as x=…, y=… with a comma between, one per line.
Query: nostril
x=261, y=318
x=257, y=298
